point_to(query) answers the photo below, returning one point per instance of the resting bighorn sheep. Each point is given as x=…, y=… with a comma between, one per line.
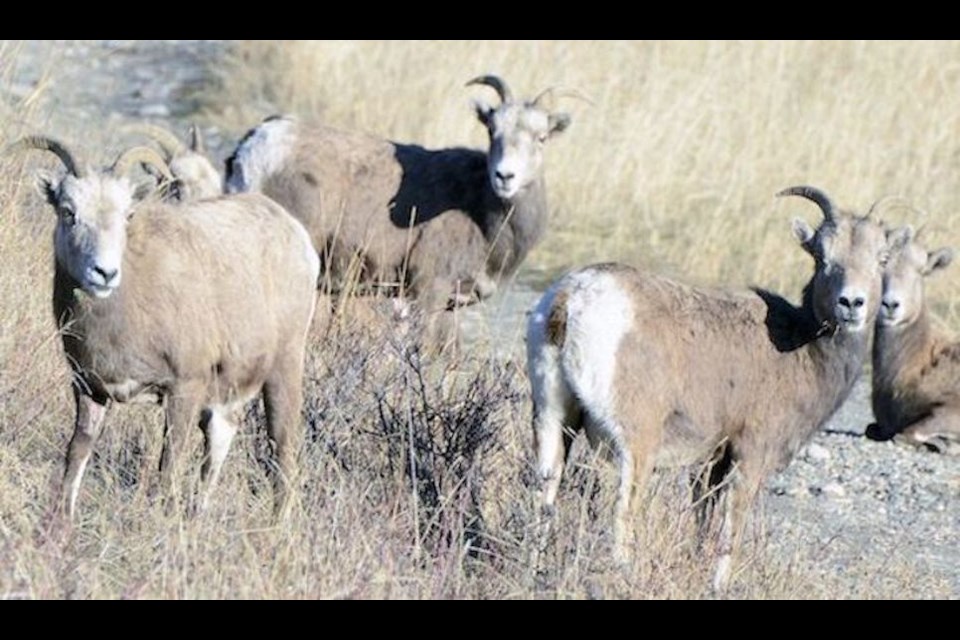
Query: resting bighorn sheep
x=665, y=374
x=443, y=226
x=194, y=175
x=200, y=311
x=916, y=365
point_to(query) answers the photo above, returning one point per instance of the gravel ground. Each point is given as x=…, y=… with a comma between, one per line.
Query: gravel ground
x=863, y=510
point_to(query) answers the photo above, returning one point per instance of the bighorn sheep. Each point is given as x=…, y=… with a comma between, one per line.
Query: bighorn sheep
x=201, y=312
x=916, y=365
x=443, y=226
x=665, y=374
x=194, y=175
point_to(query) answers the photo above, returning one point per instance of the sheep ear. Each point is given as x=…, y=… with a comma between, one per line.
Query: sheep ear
x=558, y=122
x=898, y=238
x=196, y=139
x=484, y=112
x=47, y=186
x=938, y=260
x=803, y=232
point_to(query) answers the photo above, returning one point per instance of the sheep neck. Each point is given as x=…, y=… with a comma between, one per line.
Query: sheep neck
x=834, y=359
x=514, y=227
x=894, y=351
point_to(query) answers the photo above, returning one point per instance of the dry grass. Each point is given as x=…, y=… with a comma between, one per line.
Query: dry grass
x=675, y=160
x=417, y=474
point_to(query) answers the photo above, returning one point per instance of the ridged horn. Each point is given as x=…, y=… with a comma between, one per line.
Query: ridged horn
x=146, y=155
x=814, y=194
x=171, y=144
x=43, y=143
x=498, y=85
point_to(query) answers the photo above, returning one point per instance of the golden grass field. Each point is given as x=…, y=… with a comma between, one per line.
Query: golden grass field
x=672, y=160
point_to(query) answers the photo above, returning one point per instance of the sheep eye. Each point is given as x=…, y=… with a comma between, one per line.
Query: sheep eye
x=68, y=216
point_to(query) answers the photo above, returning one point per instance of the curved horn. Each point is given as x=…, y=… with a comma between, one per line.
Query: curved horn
x=898, y=200
x=44, y=143
x=171, y=144
x=812, y=193
x=498, y=85
x=196, y=139
x=548, y=92
x=131, y=156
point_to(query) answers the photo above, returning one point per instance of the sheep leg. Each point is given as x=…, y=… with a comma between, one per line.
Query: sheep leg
x=440, y=332
x=631, y=479
x=741, y=494
x=182, y=409
x=709, y=490
x=283, y=401
x=90, y=413
x=939, y=431
x=218, y=433
x=556, y=421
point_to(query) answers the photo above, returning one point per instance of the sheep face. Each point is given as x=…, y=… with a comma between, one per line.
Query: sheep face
x=90, y=235
x=907, y=266
x=849, y=252
x=518, y=133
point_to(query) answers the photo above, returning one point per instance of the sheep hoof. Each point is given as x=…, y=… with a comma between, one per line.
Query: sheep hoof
x=875, y=432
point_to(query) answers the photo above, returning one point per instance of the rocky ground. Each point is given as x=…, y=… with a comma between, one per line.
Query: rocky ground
x=863, y=510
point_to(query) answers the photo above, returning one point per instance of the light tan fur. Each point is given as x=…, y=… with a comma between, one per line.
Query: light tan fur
x=731, y=381
x=203, y=312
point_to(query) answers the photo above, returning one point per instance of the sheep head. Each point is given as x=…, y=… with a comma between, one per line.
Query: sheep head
x=195, y=176
x=907, y=266
x=849, y=252
x=518, y=132
x=92, y=209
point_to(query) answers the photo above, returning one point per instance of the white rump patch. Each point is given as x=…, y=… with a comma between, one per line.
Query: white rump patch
x=599, y=314
x=261, y=154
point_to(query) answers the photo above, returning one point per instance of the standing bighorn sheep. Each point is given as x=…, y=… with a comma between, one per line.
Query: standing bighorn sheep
x=443, y=226
x=199, y=311
x=194, y=176
x=665, y=374
x=916, y=366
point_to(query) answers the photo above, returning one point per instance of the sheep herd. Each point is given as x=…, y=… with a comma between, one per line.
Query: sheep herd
x=198, y=290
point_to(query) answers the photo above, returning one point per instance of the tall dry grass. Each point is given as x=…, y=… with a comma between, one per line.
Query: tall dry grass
x=675, y=159
x=416, y=473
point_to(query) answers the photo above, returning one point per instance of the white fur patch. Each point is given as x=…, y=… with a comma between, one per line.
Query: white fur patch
x=599, y=314
x=313, y=258
x=75, y=485
x=261, y=154
x=550, y=393
x=220, y=433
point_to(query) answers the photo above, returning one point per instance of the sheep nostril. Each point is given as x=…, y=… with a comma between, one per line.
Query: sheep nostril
x=107, y=274
x=855, y=303
x=505, y=176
